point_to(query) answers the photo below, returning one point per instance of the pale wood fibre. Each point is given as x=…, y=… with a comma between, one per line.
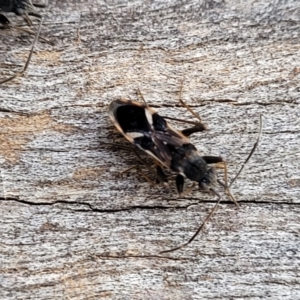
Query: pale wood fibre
x=71, y=228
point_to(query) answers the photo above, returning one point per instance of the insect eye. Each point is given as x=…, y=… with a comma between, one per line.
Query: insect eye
x=208, y=180
x=203, y=184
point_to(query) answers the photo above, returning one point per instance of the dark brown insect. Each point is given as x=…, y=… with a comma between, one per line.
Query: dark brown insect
x=170, y=148
x=24, y=8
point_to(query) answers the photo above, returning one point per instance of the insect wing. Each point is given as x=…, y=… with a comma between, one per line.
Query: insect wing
x=143, y=127
x=129, y=118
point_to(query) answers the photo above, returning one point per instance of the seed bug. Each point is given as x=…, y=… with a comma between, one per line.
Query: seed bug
x=22, y=8
x=29, y=56
x=170, y=148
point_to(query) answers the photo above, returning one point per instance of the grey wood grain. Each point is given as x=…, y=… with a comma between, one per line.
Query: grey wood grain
x=72, y=227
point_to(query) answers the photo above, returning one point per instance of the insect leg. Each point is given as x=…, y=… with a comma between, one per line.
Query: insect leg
x=41, y=5
x=161, y=176
x=198, y=126
x=29, y=57
x=221, y=164
x=180, y=186
x=29, y=10
x=27, y=19
x=4, y=21
x=139, y=172
x=185, y=105
x=179, y=183
x=212, y=159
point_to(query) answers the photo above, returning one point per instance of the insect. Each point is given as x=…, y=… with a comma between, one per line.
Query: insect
x=28, y=59
x=23, y=8
x=170, y=148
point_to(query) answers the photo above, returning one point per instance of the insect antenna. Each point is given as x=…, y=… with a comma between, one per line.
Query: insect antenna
x=226, y=186
x=251, y=152
x=141, y=95
x=29, y=57
x=200, y=227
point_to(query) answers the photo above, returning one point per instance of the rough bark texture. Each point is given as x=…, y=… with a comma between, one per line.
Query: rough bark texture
x=72, y=228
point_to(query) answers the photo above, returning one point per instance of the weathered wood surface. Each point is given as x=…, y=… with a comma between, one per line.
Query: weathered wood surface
x=70, y=228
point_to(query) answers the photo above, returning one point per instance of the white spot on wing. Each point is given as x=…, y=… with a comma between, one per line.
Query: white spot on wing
x=134, y=134
x=149, y=117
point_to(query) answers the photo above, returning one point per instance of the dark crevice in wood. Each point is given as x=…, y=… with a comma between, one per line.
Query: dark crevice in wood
x=90, y=206
x=139, y=256
x=282, y=132
x=9, y=199
x=6, y=110
x=139, y=207
x=283, y=102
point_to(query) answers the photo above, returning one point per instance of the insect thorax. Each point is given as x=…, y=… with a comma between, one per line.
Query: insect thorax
x=186, y=160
